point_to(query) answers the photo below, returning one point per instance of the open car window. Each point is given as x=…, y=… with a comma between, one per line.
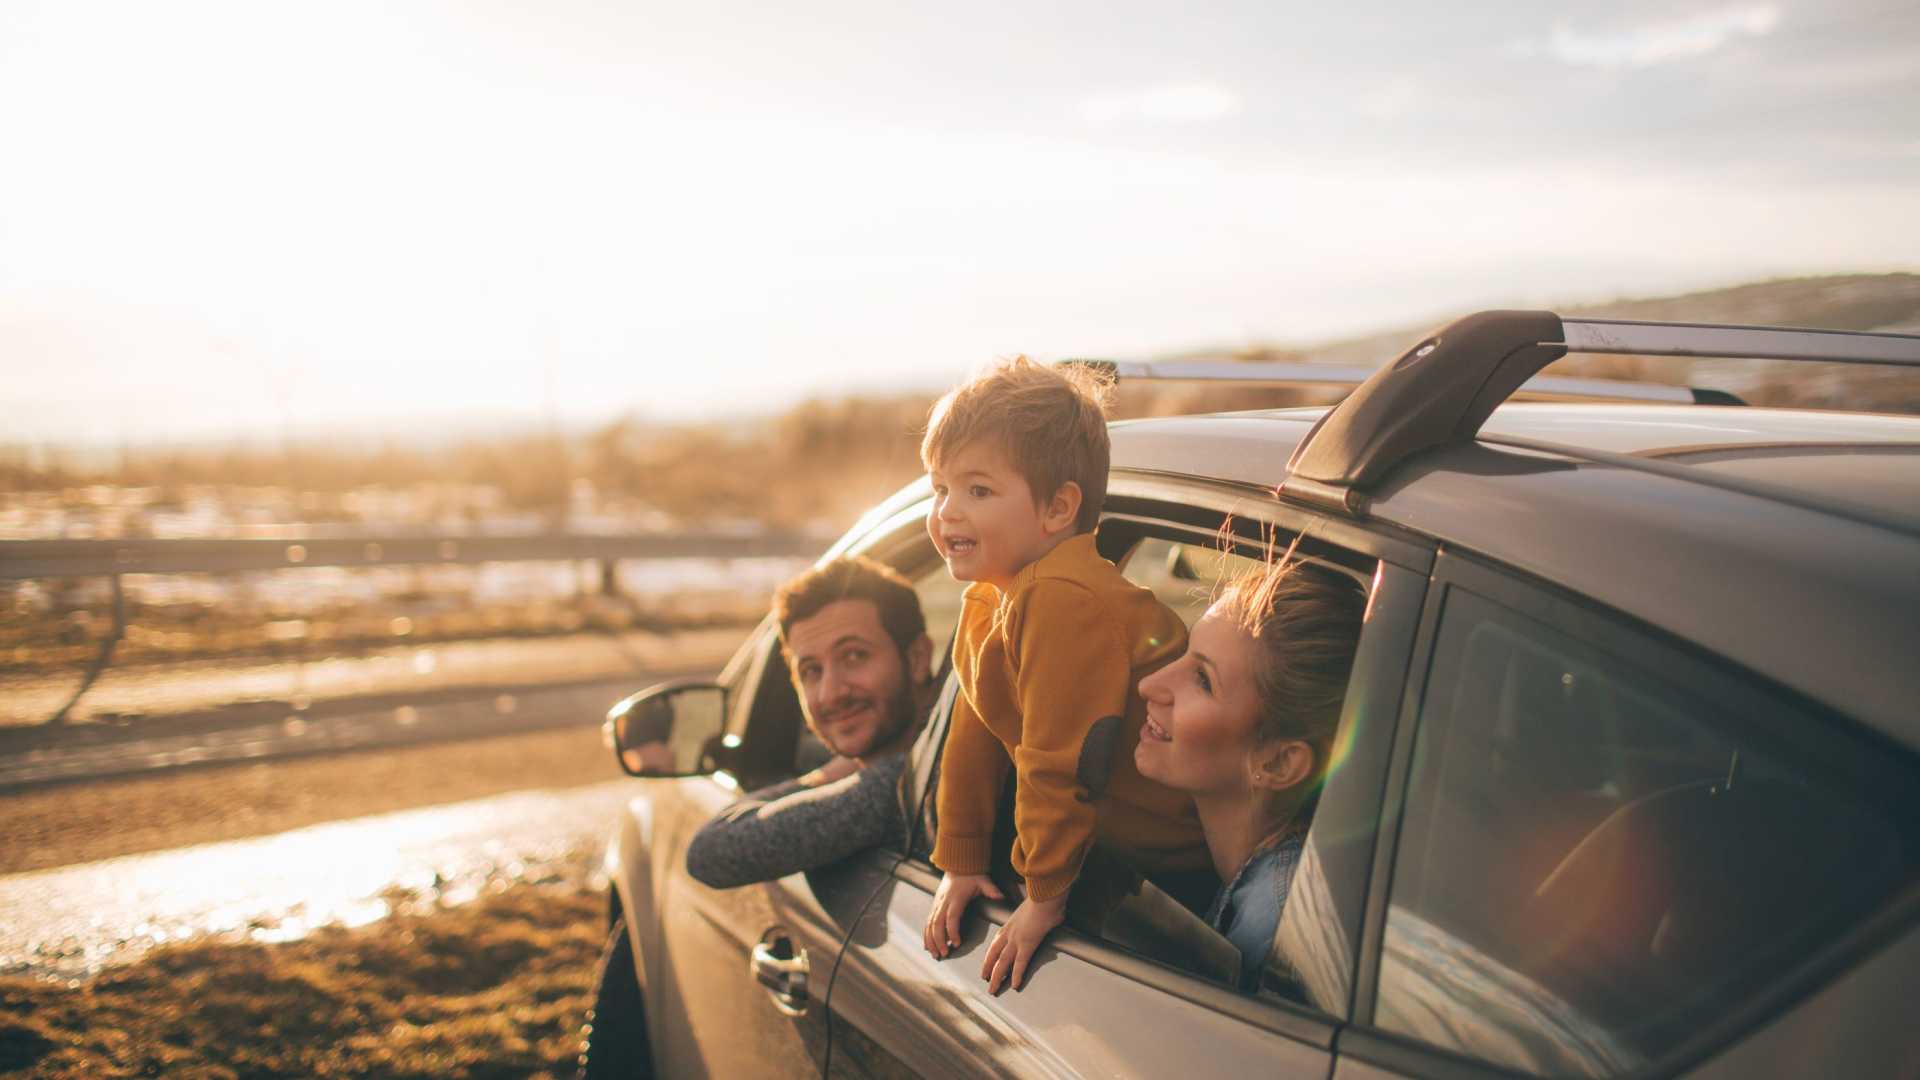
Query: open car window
x=1187, y=570
x=909, y=551
x=1184, y=567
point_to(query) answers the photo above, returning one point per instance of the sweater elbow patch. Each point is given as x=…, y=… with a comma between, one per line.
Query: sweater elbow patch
x=1097, y=750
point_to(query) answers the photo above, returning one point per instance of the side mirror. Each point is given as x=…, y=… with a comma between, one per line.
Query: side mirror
x=673, y=729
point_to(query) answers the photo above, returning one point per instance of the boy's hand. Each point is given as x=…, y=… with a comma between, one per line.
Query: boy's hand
x=950, y=902
x=1013, y=947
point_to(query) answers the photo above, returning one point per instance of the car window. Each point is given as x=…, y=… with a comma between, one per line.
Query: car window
x=1184, y=567
x=940, y=605
x=1598, y=860
x=1186, y=574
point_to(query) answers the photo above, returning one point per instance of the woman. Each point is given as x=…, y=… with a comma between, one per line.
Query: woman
x=1245, y=723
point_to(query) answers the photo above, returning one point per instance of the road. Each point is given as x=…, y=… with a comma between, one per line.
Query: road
x=72, y=921
x=356, y=808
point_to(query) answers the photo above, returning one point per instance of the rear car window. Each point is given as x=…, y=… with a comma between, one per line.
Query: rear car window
x=1598, y=861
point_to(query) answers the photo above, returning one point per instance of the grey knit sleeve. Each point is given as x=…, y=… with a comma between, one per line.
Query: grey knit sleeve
x=788, y=828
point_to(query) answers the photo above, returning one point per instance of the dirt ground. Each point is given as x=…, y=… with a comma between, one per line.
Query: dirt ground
x=497, y=988
x=74, y=823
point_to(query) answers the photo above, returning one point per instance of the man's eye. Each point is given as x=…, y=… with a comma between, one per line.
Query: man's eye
x=854, y=656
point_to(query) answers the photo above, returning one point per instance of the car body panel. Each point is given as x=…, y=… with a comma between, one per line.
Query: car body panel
x=936, y=1015
x=706, y=1015
x=1823, y=605
x=1861, y=1024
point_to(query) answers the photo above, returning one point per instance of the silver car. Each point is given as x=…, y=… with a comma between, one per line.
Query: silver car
x=1628, y=780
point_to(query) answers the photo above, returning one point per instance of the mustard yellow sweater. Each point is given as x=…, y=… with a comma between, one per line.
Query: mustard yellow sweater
x=1048, y=675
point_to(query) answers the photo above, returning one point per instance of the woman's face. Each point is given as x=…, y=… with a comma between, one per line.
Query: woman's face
x=1202, y=712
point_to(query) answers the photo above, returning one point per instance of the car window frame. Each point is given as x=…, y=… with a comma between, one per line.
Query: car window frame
x=1651, y=650
x=1195, y=511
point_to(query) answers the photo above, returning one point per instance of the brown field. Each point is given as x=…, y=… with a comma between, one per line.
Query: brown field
x=497, y=988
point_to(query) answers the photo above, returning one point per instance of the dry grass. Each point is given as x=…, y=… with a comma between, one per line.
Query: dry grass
x=70, y=633
x=497, y=988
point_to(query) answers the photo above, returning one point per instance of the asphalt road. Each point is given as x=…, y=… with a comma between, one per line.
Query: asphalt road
x=260, y=827
x=72, y=921
x=126, y=865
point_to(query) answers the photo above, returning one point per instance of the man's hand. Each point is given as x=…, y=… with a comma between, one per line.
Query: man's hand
x=1013, y=947
x=950, y=902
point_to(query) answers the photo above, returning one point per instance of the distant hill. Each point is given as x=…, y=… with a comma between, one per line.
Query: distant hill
x=820, y=463
x=1887, y=302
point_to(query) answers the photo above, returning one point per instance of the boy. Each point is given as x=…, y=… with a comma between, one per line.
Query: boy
x=1051, y=645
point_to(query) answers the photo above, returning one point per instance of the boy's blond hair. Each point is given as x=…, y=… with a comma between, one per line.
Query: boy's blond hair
x=1050, y=421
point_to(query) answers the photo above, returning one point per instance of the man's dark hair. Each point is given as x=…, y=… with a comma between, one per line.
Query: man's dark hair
x=853, y=577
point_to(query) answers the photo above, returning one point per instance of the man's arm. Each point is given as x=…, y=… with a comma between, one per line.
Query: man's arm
x=791, y=827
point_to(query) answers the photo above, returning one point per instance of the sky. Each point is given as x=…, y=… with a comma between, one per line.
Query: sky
x=269, y=218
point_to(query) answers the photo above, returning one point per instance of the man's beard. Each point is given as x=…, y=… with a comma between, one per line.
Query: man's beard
x=896, y=720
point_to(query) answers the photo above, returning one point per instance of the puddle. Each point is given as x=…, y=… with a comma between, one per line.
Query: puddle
x=69, y=923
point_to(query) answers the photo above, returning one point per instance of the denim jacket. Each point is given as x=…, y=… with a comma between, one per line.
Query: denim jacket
x=1247, y=910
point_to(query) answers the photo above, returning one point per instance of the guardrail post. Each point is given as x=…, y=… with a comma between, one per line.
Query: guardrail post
x=101, y=661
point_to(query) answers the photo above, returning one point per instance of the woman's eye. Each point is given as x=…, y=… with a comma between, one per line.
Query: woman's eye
x=1200, y=678
x=979, y=492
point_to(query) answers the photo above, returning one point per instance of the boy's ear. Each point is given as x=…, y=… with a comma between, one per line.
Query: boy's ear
x=1062, y=512
x=1281, y=764
x=920, y=660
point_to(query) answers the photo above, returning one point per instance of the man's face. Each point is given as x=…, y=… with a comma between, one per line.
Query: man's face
x=853, y=680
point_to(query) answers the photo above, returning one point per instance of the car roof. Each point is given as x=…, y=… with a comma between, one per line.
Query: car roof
x=1785, y=541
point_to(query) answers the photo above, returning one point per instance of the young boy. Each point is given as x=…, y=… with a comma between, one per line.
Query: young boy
x=1051, y=646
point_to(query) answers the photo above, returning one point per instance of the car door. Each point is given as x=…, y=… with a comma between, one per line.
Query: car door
x=709, y=1010
x=749, y=967
x=1617, y=855
x=1155, y=1000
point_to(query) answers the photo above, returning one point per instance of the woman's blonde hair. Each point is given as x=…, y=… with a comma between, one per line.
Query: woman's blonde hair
x=1305, y=622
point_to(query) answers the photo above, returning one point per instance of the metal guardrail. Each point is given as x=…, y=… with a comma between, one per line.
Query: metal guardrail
x=112, y=559
x=21, y=559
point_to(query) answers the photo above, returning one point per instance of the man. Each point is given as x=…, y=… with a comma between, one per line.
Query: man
x=856, y=646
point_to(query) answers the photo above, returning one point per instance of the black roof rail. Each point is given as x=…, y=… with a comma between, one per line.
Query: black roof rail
x=1278, y=373
x=1440, y=391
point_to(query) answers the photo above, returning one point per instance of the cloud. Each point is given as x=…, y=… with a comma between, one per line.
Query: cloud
x=1179, y=103
x=1655, y=43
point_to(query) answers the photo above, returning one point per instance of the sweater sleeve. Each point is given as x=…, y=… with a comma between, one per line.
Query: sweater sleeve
x=1072, y=674
x=973, y=766
x=789, y=828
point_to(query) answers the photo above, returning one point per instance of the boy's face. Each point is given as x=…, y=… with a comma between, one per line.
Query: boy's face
x=985, y=520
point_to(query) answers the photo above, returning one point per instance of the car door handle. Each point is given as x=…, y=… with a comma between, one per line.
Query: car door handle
x=782, y=969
